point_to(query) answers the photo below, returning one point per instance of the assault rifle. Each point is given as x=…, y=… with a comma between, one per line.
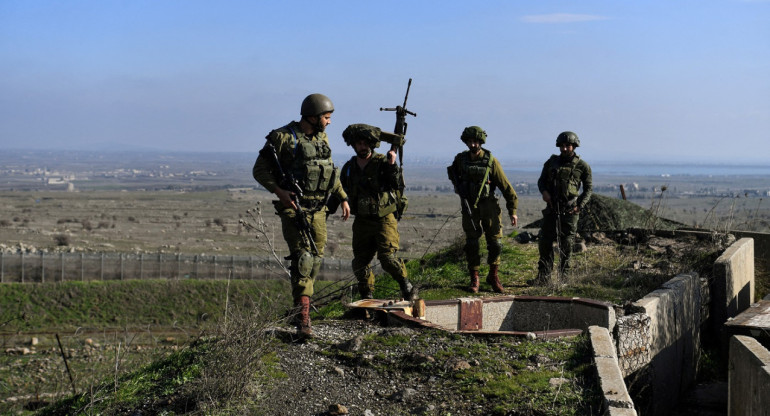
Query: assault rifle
x=462, y=190
x=401, y=124
x=397, y=141
x=289, y=183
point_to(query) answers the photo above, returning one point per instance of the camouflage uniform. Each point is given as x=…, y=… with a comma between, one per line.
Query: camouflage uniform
x=562, y=177
x=478, y=176
x=373, y=200
x=309, y=159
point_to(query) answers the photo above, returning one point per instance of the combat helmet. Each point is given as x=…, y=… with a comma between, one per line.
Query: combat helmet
x=355, y=132
x=315, y=105
x=567, y=137
x=474, y=132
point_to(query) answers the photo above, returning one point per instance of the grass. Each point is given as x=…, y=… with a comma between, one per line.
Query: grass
x=218, y=372
x=132, y=303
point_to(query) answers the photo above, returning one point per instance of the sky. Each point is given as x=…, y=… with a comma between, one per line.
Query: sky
x=655, y=81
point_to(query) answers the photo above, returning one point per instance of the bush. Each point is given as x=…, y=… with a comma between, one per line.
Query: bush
x=61, y=239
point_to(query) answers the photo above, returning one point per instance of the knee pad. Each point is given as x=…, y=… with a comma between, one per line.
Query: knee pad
x=305, y=263
x=494, y=246
x=317, y=261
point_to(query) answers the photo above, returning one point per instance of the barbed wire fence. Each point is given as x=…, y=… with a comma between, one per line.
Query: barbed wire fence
x=61, y=267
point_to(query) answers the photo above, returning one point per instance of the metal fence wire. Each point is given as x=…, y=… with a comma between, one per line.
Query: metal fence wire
x=633, y=337
x=61, y=267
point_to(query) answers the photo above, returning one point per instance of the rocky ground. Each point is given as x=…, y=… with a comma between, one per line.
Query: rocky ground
x=338, y=372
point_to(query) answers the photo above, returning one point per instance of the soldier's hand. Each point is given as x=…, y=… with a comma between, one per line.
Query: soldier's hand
x=547, y=197
x=391, y=157
x=285, y=197
x=514, y=220
x=345, y=210
x=574, y=210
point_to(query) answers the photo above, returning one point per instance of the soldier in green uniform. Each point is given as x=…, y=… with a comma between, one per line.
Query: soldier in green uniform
x=371, y=181
x=560, y=183
x=476, y=174
x=302, y=149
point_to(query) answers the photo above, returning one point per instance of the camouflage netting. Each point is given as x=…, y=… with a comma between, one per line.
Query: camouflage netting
x=609, y=214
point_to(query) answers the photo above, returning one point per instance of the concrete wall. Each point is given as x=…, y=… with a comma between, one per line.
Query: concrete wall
x=617, y=401
x=761, y=246
x=748, y=378
x=732, y=290
x=674, y=313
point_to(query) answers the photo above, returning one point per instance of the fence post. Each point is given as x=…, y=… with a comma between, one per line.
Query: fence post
x=215, y=267
x=2, y=266
x=82, y=269
x=178, y=267
x=160, y=265
x=121, y=266
x=22, y=266
x=101, y=268
x=42, y=267
x=141, y=266
x=61, y=259
x=195, y=265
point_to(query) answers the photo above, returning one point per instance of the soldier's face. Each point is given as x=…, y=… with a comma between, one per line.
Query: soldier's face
x=362, y=149
x=474, y=145
x=319, y=123
x=566, y=149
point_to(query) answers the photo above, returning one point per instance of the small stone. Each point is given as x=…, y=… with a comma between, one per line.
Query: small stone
x=337, y=409
x=557, y=381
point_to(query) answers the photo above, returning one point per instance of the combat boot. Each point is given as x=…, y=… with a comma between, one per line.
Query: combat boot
x=474, y=281
x=493, y=279
x=542, y=279
x=365, y=291
x=408, y=291
x=303, y=321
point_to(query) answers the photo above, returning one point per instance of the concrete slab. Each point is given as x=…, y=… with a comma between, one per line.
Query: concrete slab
x=753, y=322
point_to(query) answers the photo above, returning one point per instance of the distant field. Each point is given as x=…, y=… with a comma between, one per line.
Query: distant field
x=207, y=222
x=175, y=205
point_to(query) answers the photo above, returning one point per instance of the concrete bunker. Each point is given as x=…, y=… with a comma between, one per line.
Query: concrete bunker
x=658, y=339
x=543, y=316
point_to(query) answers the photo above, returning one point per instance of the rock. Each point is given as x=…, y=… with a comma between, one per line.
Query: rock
x=337, y=409
x=557, y=381
x=353, y=344
x=404, y=395
x=531, y=336
x=456, y=364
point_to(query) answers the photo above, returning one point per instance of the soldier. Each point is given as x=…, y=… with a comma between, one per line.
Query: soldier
x=560, y=183
x=475, y=174
x=371, y=180
x=302, y=152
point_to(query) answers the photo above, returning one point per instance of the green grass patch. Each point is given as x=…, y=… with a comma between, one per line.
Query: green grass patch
x=130, y=303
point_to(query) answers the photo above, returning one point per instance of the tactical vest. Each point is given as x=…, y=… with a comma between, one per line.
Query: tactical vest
x=562, y=177
x=475, y=173
x=312, y=166
x=366, y=193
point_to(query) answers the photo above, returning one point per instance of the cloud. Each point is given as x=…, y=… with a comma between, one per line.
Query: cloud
x=561, y=18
